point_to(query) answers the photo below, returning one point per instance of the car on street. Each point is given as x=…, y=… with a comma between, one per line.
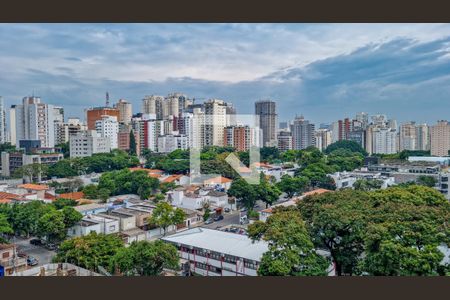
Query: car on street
x=36, y=242
x=243, y=209
x=209, y=221
x=31, y=261
x=51, y=246
x=227, y=210
x=218, y=218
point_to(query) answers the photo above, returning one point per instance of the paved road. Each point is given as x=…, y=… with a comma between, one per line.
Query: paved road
x=43, y=255
x=228, y=219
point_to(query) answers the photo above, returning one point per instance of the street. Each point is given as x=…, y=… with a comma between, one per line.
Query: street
x=228, y=219
x=43, y=255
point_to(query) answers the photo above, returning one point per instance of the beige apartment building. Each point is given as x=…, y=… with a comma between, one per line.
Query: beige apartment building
x=440, y=138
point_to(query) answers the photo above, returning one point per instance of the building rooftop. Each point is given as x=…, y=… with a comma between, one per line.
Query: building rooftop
x=220, y=241
x=91, y=206
x=35, y=187
x=217, y=180
x=73, y=196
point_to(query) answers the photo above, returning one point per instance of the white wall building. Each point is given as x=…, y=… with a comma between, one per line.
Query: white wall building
x=87, y=143
x=33, y=121
x=3, y=138
x=108, y=127
x=217, y=253
x=169, y=143
x=384, y=141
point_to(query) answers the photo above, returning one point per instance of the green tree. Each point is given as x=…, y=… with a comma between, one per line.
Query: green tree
x=244, y=192
x=346, y=144
x=61, y=203
x=90, y=251
x=70, y=216
x=337, y=222
x=90, y=191
x=165, y=215
x=267, y=193
x=367, y=184
x=51, y=226
x=31, y=172
x=428, y=181
x=291, y=251
x=65, y=149
x=5, y=227
x=145, y=258
x=293, y=185
x=132, y=150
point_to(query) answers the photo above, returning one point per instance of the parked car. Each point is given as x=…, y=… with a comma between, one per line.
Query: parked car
x=218, y=218
x=51, y=246
x=31, y=261
x=227, y=210
x=209, y=221
x=243, y=209
x=36, y=242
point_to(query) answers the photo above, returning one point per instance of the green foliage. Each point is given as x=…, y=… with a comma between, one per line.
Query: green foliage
x=7, y=147
x=352, y=146
x=293, y=185
x=145, y=258
x=31, y=172
x=269, y=154
x=367, y=184
x=132, y=150
x=267, y=193
x=165, y=215
x=395, y=231
x=98, y=163
x=291, y=251
x=5, y=227
x=243, y=191
x=51, y=226
x=65, y=149
x=124, y=182
x=61, y=203
x=345, y=160
x=90, y=191
x=89, y=251
x=179, y=166
x=428, y=181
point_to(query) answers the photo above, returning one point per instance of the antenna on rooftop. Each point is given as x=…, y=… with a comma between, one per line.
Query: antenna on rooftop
x=107, y=99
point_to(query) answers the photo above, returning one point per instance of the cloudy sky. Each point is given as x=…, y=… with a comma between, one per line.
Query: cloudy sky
x=323, y=71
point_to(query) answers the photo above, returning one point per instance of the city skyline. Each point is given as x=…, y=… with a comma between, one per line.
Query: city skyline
x=319, y=69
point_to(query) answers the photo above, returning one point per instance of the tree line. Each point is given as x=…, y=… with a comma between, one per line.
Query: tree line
x=394, y=232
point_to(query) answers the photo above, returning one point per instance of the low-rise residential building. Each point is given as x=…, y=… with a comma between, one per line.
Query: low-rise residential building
x=133, y=235
x=9, y=261
x=217, y=253
x=126, y=221
x=406, y=171
x=93, y=208
x=347, y=179
x=59, y=269
x=94, y=223
x=218, y=182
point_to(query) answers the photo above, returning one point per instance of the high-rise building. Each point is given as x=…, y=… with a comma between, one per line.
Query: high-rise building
x=153, y=105
x=284, y=139
x=422, y=137
x=268, y=121
x=302, y=133
x=63, y=131
x=384, y=140
x=108, y=127
x=215, y=122
x=408, y=138
x=440, y=138
x=323, y=139
x=238, y=136
x=33, y=120
x=149, y=129
x=2, y=121
x=96, y=113
x=125, y=111
x=363, y=118
x=88, y=142
x=172, y=142
x=123, y=139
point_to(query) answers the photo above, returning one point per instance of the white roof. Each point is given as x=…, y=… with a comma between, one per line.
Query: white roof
x=220, y=241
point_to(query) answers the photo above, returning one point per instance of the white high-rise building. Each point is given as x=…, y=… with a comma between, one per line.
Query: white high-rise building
x=384, y=140
x=323, y=139
x=108, y=127
x=33, y=120
x=302, y=134
x=3, y=138
x=198, y=129
x=88, y=142
x=64, y=130
x=171, y=142
x=215, y=122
